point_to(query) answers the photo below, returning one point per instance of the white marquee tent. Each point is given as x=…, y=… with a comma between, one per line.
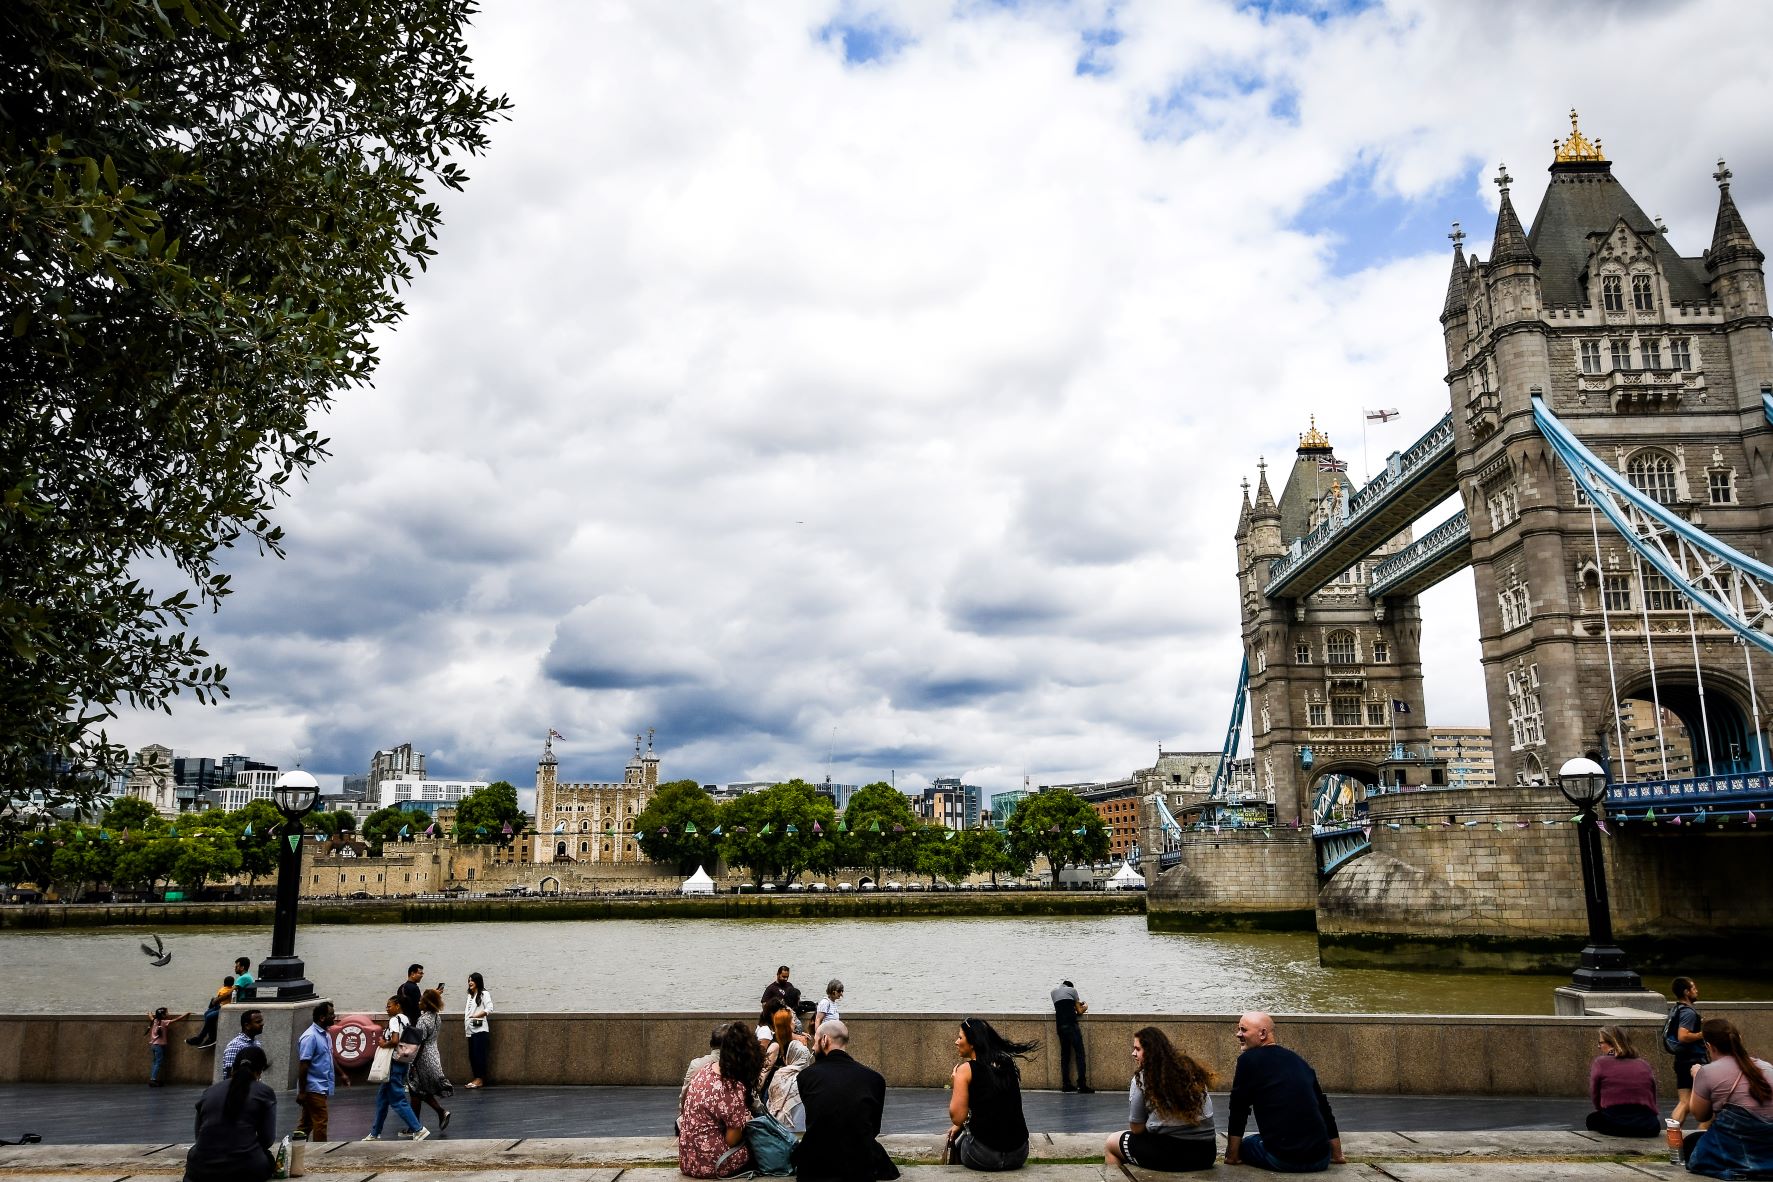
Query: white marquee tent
x=1125, y=879
x=700, y=884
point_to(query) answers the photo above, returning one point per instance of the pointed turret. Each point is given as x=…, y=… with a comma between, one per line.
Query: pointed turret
x=1243, y=514
x=1455, y=305
x=1730, y=239
x=1510, y=242
x=1264, y=506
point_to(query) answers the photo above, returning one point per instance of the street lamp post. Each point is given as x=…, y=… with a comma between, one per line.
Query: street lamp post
x=1602, y=969
x=282, y=975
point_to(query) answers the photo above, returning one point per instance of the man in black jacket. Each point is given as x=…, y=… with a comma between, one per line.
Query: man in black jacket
x=1298, y=1131
x=843, y=1101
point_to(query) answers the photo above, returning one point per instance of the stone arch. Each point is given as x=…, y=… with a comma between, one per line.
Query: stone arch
x=542, y=887
x=1725, y=720
x=560, y=849
x=1338, y=790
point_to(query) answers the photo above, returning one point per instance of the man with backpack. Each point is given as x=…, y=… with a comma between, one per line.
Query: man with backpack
x=1681, y=1038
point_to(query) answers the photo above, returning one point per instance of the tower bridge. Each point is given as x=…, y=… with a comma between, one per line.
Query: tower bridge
x=1608, y=449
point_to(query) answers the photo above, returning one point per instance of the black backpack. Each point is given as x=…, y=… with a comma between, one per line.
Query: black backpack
x=1671, y=1037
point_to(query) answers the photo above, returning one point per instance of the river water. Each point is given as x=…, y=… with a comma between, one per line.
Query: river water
x=887, y=965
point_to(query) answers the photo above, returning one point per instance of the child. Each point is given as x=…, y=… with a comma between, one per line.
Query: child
x=206, y=1036
x=158, y=1021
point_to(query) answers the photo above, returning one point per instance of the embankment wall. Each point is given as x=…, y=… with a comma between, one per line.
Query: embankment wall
x=1240, y=878
x=1411, y=1054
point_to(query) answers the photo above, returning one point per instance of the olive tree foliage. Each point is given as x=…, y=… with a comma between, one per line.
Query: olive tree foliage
x=208, y=208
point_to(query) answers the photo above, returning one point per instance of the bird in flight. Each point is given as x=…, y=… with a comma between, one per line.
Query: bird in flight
x=157, y=956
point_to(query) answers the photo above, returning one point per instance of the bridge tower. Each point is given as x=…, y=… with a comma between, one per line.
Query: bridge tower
x=1657, y=363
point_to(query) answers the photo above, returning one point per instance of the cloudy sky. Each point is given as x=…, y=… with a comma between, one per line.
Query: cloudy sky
x=869, y=385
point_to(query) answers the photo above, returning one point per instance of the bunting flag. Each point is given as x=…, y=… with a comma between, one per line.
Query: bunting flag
x=560, y=828
x=816, y=829
x=1394, y=826
x=1602, y=826
x=689, y=829
x=432, y=831
x=1267, y=832
x=663, y=832
x=874, y=826
x=248, y=832
x=295, y=840
x=173, y=832
x=480, y=831
x=406, y=831
x=104, y=835
x=717, y=830
x=1054, y=829
x=506, y=830
x=1523, y=824
x=791, y=830
x=948, y=836
x=1649, y=814
x=898, y=828
x=1750, y=819
x=740, y=829
x=1674, y=820
x=767, y=829
x=1080, y=831
x=1472, y=824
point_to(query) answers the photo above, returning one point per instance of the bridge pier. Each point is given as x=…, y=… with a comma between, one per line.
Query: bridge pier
x=1239, y=880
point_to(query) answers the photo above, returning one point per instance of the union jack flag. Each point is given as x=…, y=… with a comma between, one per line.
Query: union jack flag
x=554, y=734
x=1331, y=464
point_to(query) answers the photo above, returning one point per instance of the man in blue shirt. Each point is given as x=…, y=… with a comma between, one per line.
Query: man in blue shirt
x=314, y=1075
x=252, y=1024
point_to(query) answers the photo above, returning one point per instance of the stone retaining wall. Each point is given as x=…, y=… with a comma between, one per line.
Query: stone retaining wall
x=1409, y=1054
x=1238, y=879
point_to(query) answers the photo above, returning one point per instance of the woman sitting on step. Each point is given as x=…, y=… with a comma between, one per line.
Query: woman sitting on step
x=1622, y=1088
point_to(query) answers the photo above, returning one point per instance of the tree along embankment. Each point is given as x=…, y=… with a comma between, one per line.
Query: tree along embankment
x=44, y=916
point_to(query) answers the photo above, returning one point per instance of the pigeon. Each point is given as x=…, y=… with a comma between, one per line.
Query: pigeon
x=157, y=956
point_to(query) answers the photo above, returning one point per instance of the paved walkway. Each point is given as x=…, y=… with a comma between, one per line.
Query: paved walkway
x=1057, y=1157
x=113, y=1113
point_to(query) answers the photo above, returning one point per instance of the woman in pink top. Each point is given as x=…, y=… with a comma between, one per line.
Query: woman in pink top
x=1622, y=1088
x=1733, y=1099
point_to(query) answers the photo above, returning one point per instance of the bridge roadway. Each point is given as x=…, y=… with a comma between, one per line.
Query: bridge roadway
x=1415, y=480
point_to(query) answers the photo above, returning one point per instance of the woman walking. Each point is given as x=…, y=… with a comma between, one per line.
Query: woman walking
x=989, y=1132
x=391, y=1096
x=1622, y=1088
x=426, y=1082
x=474, y=1017
x=1169, y=1114
x=236, y=1126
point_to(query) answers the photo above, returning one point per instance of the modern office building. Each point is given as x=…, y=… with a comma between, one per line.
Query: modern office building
x=1468, y=754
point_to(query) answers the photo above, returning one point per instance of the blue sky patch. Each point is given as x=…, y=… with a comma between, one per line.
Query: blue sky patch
x=1095, y=59
x=1319, y=12
x=1368, y=228
x=865, y=39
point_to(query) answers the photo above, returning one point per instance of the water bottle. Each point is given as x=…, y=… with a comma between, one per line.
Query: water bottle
x=1674, y=1143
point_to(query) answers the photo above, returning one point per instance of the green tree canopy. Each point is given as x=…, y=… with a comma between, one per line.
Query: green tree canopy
x=258, y=850
x=881, y=829
x=990, y=852
x=1048, y=825
x=130, y=812
x=384, y=825
x=483, y=814
x=209, y=208
x=673, y=808
x=778, y=842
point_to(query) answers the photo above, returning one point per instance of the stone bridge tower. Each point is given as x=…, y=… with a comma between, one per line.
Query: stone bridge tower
x=1658, y=363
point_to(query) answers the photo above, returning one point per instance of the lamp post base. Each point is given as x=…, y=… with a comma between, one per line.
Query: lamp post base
x=1603, y=970
x=282, y=978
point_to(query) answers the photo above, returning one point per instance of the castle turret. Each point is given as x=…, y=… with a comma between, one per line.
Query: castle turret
x=1734, y=260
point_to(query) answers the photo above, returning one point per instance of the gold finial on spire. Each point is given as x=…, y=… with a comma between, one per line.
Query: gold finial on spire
x=1314, y=438
x=1577, y=149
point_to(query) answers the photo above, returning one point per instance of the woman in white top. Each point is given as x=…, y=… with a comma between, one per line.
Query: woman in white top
x=829, y=1003
x=474, y=1017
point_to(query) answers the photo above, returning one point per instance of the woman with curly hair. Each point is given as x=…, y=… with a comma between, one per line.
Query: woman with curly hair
x=1170, y=1115
x=427, y=1084
x=717, y=1107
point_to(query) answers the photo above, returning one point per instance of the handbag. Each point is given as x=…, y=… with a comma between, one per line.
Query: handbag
x=379, y=1067
x=772, y=1145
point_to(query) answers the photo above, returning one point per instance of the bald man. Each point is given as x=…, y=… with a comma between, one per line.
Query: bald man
x=842, y=1100
x=1296, y=1129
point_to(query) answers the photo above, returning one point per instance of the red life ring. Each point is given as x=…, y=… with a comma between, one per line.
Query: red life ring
x=354, y=1040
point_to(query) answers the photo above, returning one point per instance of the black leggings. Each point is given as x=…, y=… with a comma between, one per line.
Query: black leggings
x=1155, y=1151
x=1626, y=1120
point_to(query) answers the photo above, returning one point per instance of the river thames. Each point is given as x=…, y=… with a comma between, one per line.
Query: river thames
x=887, y=965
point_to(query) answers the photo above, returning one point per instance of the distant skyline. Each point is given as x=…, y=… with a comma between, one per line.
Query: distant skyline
x=868, y=386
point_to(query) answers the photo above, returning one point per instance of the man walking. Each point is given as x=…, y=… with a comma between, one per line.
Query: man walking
x=314, y=1078
x=1681, y=1038
x=409, y=992
x=252, y=1024
x=1298, y=1131
x=1068, y=1007
x=842, y=1100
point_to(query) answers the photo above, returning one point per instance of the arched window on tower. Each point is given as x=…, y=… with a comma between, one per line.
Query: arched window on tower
x=1612, y=293
x=1642, y=298
x=1339, y=648
x=1653, y=474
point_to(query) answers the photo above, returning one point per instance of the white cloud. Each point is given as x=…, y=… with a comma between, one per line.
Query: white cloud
x=897, y=410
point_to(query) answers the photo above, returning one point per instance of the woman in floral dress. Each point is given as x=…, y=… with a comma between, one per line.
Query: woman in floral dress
x=716, y=1108
x=427, y=1084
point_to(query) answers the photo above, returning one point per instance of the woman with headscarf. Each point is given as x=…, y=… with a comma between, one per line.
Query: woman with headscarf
x=236, y=1125
x=778, y=1083
x=985, y=1108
